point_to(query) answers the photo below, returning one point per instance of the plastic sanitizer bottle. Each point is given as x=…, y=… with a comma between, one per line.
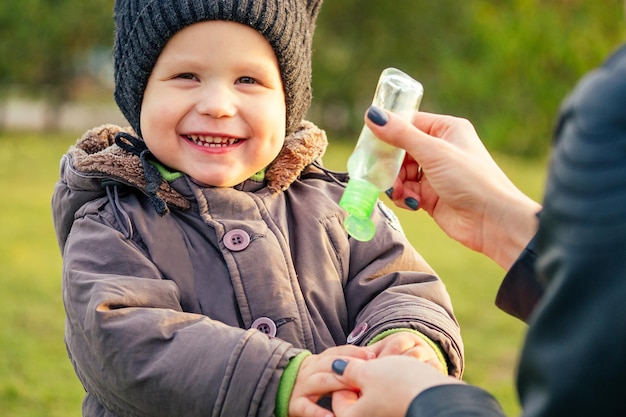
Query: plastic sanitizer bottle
x=374, y=164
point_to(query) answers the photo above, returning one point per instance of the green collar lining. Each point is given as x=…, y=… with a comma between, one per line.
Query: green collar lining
x=170, y=176
x=167, y=175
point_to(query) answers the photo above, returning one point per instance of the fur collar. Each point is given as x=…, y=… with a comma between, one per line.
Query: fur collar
x=96, y=153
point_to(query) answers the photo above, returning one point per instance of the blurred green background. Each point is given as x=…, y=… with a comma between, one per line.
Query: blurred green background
x=504, y=64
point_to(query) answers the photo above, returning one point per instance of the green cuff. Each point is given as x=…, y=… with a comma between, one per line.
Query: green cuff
x=287, y=381
x=440, y=355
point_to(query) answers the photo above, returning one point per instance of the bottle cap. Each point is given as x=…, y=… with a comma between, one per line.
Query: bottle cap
x=358, y=200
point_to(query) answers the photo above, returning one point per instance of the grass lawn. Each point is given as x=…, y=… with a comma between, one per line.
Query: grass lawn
x=36, y=378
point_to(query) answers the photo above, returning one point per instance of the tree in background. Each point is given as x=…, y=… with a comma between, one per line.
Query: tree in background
x=504, y=64
x=356, y=40
x=43, y=43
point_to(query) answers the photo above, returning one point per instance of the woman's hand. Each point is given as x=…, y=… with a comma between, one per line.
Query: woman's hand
x=450, y=174
x=387, y=385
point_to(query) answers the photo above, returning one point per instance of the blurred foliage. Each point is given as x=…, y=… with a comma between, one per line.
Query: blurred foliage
x=44, y=43
x=504, y=64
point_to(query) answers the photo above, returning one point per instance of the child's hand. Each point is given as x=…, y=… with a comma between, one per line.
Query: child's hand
x=408, y=344
x=316, y=379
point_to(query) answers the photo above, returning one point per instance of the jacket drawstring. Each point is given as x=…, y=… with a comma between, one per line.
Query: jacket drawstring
x=153, y=177
x=329, y=174
x=126, y=226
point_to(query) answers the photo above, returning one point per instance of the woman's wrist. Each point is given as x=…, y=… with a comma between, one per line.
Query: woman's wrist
x=509, y=228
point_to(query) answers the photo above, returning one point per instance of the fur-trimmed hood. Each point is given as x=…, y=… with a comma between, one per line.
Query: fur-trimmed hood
x=97, y=154
x=96, y=160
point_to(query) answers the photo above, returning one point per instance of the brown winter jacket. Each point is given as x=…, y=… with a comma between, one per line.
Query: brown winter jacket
x=163, y=312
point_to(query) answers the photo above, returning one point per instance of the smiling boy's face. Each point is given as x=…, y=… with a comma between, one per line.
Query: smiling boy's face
x=214, y=106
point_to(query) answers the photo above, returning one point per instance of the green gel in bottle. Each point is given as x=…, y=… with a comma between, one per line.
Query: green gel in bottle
x=374, y=164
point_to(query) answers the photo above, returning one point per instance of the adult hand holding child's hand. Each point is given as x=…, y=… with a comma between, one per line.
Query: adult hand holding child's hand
x=315, y=379
x=377, y=385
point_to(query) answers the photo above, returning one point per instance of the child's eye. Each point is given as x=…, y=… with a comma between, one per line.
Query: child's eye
x=186, y=76
x=246, y=80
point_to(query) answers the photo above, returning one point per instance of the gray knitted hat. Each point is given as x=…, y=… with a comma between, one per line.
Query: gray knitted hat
x=143, y=27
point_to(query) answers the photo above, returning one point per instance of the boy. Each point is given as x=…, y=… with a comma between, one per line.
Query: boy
x=206, y=269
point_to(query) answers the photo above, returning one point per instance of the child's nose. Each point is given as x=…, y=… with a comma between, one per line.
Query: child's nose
x=217, y=101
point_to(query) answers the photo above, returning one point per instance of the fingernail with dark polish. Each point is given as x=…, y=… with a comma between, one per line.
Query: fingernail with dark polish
x=389, y=192
x=411, y=203
x=377, y=116
x=339, y=365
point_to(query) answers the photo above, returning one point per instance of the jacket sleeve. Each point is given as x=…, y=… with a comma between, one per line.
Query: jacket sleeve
x=454, y=400
x=573, y=358
x=390, y=286
x=138, y=353
x=521, y=289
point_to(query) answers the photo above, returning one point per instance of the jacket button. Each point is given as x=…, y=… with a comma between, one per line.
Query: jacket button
x=357, y=333
x=236, y=240
x=265, y=325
